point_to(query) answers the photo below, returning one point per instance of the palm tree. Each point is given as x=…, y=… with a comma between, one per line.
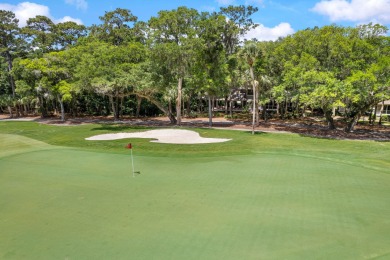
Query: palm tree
x=250, y=53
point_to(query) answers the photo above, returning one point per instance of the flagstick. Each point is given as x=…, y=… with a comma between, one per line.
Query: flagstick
x=132, y=161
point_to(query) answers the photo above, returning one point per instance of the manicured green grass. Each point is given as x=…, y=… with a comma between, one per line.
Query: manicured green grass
x=268, y=196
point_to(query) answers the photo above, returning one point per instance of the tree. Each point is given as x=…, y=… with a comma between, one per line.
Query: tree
x=367, y=84
x=364, y=91
x=210, y=67
x=324, y=91
x=173, y=32
x=47, y=76
x=250, y=54
x=40, y=32
x=68, y=33
x=238, y=22
x=9, y=42
x=117, y=27
x=106, y=69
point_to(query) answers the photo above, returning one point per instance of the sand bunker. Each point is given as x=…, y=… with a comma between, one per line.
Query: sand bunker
x=166, y=136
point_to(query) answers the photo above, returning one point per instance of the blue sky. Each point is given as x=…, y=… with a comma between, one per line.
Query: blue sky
x=275, y=17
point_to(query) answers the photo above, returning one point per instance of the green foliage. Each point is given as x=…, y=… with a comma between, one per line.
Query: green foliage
x=385, y=118
x=238, y=23
x=68, y=33
x=116, y=28
x=40, y=31
x=183, y=54
x=64, y=89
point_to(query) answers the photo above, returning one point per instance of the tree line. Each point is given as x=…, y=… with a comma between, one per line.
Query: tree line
x=182, y=60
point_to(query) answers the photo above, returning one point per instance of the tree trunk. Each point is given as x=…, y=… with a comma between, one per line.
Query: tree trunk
x=139, y=101
x=297, y=108
x=226, y=105
x=11, y=79
x=210, y=113
x=10, y=111
x=112, y=106
x=17, y=110
x=183, y=108
x=231, y=109
x=62, y=108
x=161, y=107
x=254, y=108
x=43, y=107
x=286, y=107
x=188, y=110
x=178, y=101
x=329, y=119
x=257, y=104
x=116, y=113
x=170, y=106
x=351, y=125
x=264, y=113
x=373, y=115
x=370, y=118
x=380, y=112
x=121, y=108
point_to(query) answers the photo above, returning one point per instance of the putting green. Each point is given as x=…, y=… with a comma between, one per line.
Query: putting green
x=66, y=203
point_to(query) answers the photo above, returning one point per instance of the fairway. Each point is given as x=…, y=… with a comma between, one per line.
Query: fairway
x=59, y=200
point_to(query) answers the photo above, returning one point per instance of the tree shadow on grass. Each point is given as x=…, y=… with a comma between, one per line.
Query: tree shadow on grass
x=249, y=132
x=319, y=137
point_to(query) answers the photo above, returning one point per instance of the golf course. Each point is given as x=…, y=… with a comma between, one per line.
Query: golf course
x=262, y=196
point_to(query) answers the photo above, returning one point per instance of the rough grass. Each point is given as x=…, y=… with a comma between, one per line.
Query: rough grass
x=258, y=197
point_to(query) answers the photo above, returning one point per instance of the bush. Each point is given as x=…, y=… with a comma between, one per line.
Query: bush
x=231, y=117
x=385, y=118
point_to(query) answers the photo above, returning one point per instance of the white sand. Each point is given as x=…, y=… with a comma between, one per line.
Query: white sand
x=167, y=136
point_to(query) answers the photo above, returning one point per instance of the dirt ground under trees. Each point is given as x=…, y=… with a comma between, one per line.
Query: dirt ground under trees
x=309, y=126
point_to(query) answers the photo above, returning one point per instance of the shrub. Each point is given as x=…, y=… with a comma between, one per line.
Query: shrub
x=385, y=118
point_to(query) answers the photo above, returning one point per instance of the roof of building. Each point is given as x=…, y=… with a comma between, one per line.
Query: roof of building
x=386, y=102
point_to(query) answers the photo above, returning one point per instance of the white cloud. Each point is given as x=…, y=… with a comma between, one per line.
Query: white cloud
x=80, y=4
x=24, y=11
x=225, y=2
x=354, y=10
x=263, y=33
x=68, y=19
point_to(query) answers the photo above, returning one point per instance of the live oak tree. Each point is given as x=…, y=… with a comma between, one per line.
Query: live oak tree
x=340, y=69
x=174, y=32
x=48, y=77
x=105, y=69
x=143, y=84
x=368, y=81
x=323, y=91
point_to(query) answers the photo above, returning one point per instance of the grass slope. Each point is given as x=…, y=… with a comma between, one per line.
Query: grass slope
x=276, y=196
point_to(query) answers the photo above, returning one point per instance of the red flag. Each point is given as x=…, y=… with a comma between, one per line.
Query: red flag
x=129, y=146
